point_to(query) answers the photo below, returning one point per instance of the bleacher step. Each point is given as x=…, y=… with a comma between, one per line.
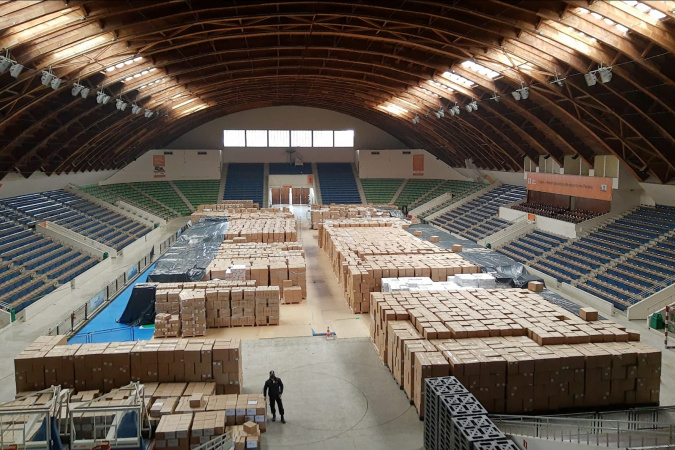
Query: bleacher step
x=182, y=196
x=400, y=189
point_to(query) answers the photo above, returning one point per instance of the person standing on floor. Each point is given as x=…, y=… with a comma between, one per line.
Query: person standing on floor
x=275, y=388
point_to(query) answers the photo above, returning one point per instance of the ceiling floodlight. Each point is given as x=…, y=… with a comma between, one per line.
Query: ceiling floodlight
x=77, y=88
x=102, y=98
x=135, y=109
x=416, y=119
x=46, y=78
x=473, y=106
x=56, y=82
x=84, y=92
x=590, y=78
x=440, y=113
x=454, y=110
x=148, y=113
x=605, y=74
x=525, y=92
x=5, y=64
x=120, y=104
x=15, y=70
x=516, y=94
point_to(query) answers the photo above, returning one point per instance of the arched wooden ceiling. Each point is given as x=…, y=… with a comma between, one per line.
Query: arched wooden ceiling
x=200, y=60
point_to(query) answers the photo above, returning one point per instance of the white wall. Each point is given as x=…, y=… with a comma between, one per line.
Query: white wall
x=15, y=184
x=393, y=163
x=662, y=194
x=210, y=135
x=289, y=180
x=180, y=165
x=515, y=178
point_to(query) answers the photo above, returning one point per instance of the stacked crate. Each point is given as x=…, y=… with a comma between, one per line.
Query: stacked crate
x=193, y=313
x=97, y=366
x=205, y=426
x=218, y=312
x=167, y=301
x=319, y=214
x=173, y=432
x=267, y=306
x=167, y=325
x=253, y=228
x=455, y=419
x=501, y=345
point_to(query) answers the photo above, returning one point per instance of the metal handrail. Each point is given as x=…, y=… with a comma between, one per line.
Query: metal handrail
x=600, y=432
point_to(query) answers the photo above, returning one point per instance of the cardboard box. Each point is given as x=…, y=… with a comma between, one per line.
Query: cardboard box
x=535, y=286
x=588, y=314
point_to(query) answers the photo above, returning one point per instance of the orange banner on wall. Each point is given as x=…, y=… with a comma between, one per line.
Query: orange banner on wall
x=310, y=179
x=159, y=161
x=598, y=188
x=418, y=165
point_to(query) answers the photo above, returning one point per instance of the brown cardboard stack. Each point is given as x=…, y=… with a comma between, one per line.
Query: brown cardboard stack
x=514, y=351
x=218, y=311
x=227, y=403
x=251, y=408
x=227, y=370
x=173, y=432
x=163, y=406
x=267, y=301
x=363, y=252
x=267, y=264
x=95, y=366
x=167, y=300
x=29, y=365
x=322, y=213
x=242, y=303
x=58, y=366
x=254, y=228
x=167, y=325
x=244, y=437
x=206, y=426
x=193, y=313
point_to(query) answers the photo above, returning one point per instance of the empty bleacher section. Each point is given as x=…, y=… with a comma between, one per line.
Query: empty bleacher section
x=458, y=189
x=478, y=218
x=32, y=265
x=380, y=190
x=416, y=189
x=199, y=192
x=337, y=183
x=162, y=192
x=128, y=194
x=647, y=263
x=245, y=182
x=532, y=245
x=75, y=213
x=290, y=169
x=556, y=212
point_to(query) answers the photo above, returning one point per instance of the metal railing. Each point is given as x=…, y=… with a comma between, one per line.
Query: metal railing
x=80, y=316
x=599, y=432
x=222, y=442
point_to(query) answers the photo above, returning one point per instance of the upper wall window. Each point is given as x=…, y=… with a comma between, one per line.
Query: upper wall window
x=234, y=138
x=288, y=138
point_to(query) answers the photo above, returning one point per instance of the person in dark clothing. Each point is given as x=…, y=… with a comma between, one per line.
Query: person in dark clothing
x=275, y=388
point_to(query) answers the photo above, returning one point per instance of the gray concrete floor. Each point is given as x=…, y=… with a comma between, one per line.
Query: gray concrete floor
x=337, y=395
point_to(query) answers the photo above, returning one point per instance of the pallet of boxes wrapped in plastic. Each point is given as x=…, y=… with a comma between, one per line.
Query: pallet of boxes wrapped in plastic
x=509, y=347
x=105, y=366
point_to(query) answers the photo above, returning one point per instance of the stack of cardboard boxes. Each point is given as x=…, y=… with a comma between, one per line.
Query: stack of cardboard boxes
x=278, y=228
x=242, y=302
x=515, y=352
x=218, y=312
x=363, y=252
x=100, y=366
x=193, y=313
x=322, y=213
x=173, y=432
x=267, y=306
x=167, y=325
x=205, y=426
x=267, y=264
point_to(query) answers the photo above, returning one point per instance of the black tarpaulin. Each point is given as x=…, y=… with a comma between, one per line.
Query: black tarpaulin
x=140, y=309
x=516, y=275
x=191, y=254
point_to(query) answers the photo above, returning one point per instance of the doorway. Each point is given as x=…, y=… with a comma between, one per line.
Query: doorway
x=289, y=195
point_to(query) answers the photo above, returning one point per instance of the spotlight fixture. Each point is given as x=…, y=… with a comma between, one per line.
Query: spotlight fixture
x=148, y=113
x=84, y=92
x=120, y=104
x=77, y=88
x=46, y=77
x=15, y=70
x=605, y=74
x=135, y=109
x=523, y=92
x=5, y=63
x=102, y=98
x=590, y=78
x=473, y=106
x=454, y=111
x=56, y=82
x=557, y=80
x=440, y=113
x=415, y=119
